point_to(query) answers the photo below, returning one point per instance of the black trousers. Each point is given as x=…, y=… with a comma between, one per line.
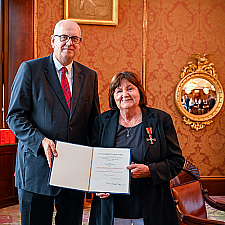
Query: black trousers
x=38, y=209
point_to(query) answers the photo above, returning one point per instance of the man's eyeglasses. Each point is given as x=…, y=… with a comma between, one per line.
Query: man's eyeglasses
x=66, y=38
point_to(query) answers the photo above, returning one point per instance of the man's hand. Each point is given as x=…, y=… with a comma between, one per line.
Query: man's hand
x=49, y=148
x=139, y=170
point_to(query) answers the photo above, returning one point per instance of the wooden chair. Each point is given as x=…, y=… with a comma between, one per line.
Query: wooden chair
x=190, y=197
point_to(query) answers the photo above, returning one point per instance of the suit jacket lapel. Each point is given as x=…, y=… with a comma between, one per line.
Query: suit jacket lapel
x=52, y=77
x=110, y=127
x=148, y=121
x=77, y=82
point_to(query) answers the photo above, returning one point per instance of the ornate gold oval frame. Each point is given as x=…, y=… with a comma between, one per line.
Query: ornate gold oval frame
x=205, y=70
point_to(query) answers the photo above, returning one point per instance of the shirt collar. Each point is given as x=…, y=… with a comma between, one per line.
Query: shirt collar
x=58, y=65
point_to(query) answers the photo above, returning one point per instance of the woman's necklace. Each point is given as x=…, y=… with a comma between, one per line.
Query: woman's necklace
x=128, y=131
x=129, y=128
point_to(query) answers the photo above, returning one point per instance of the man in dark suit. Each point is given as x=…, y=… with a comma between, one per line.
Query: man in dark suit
x=211, y=102
x=39, y=113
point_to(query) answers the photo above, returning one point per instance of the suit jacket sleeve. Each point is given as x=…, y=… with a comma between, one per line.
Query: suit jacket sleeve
x=95, y=142
x=171, y=161
x=19, y=109
x=95, y=109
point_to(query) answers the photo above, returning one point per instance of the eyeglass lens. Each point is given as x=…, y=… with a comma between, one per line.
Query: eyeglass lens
x=66, y=38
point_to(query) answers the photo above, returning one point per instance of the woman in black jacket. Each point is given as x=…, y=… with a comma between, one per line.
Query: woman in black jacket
x=156, y=157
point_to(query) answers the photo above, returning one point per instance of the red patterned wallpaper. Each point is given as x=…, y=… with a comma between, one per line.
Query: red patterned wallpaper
x=176, y=29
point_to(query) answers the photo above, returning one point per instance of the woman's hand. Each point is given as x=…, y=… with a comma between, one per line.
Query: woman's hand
x=139, y=170
x=103, y=195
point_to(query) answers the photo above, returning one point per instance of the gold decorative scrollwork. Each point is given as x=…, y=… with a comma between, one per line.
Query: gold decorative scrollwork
x=199, y=82
x=203, y=65
x=196, y=125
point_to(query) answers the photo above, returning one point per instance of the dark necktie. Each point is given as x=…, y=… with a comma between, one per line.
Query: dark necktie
x=66, y=87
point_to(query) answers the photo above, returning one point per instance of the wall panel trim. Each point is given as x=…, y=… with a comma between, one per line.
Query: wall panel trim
x=144, y=43
x=214, y=184
x=35, y=29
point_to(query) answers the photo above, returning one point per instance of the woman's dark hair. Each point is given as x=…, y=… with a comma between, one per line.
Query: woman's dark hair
x=132, y=78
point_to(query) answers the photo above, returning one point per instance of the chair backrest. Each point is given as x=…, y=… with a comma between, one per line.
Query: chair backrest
x=186, y=189
x=188, y=173
x=190, y=199
x=183, y=177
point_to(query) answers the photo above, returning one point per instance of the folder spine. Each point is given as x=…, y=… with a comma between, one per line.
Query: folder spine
x=89, y=182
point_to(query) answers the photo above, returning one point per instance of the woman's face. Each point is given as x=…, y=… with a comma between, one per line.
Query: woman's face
x=127, y=95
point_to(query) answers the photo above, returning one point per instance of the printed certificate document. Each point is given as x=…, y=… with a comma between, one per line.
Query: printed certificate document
x=91, y=169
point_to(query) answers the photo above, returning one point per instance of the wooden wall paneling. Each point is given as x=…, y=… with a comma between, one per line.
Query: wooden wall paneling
x=19, y=37
x=6, y=60
x=214, y=184
x=1, y=57
x=8, y=193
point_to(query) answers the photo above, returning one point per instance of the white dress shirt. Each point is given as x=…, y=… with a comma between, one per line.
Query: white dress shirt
x=69, y=72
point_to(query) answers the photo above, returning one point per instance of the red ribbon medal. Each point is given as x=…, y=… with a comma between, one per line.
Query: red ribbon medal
x=149, y=131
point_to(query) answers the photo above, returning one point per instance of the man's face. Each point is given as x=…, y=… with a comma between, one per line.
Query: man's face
x=65, y=51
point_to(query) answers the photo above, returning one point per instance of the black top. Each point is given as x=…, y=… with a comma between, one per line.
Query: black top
x=133, y=142
x=129, y=206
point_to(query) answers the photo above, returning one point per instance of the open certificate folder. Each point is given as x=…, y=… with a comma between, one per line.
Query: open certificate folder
x=91, y=169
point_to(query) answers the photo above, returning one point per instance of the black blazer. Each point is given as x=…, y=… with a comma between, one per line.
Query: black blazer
x=164, y=159
x=38, y=109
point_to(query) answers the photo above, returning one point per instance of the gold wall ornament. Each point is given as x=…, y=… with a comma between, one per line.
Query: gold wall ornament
x=202, y=65
x=197, y=105
x=196, y=125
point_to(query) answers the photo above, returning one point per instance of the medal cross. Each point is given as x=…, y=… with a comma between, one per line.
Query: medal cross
x=151, y=139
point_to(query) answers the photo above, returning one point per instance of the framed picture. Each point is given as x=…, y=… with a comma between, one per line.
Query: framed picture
x=98, y=12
